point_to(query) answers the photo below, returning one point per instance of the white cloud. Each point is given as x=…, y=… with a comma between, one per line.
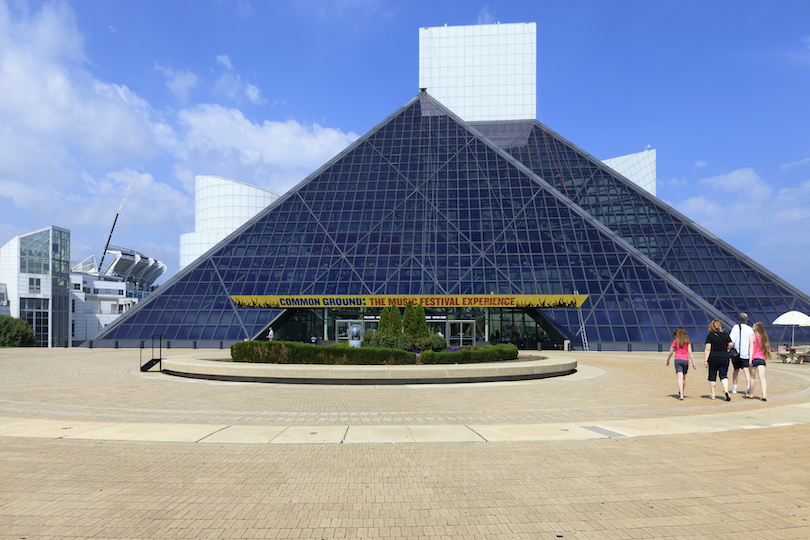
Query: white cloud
x=701, y=208
x=674, y=182
x=70, y=141
x=223, y=60
x=727, y=202
x=485, y=15
x=253, y=94
x=794, y=165
x=53, y=111
x=179, y=82
x=745, y=211
x=230, y=84
x=275, y=154
x=700, y=164
x=745, y=183
x=806, y=41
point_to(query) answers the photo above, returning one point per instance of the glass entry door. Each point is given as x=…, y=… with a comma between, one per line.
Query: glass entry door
x=460, y=333
x=342, y=328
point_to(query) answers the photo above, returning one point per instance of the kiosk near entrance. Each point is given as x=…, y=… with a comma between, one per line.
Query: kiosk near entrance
x=460, y=333
x=342, y=328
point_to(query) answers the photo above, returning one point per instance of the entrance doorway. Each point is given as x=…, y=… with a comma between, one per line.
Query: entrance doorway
x=460, y=333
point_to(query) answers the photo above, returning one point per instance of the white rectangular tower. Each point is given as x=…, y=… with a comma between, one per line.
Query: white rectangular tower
x=483, y=72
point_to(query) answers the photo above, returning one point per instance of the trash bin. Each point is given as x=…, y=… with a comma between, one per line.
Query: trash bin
x=539, y=346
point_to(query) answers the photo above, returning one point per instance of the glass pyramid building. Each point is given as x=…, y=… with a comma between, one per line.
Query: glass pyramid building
x=427, y=204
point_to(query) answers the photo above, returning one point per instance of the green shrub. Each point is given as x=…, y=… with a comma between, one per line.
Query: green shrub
x=405, y=342
x=378, y=339
x=15, y=332
x=290, y=352
x=488, y=353
x=437, y=342
x=423, y=344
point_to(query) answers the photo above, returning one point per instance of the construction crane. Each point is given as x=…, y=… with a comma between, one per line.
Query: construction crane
x=117, y=212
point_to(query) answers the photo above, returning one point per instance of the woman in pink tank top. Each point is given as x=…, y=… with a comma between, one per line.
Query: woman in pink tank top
x=759, y=350
x=683, y=355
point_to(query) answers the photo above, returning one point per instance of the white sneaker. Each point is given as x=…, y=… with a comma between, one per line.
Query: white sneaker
x=734, y=389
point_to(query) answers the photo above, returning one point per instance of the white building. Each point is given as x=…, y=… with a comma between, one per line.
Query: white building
x=638, y=167
x=68, y=303
x=35, y=267
x=482, y=72
x=488, y=73
x=220, y=207
x=97, y=300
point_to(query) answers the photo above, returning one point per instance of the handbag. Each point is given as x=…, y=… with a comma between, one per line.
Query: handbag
x=733, y=353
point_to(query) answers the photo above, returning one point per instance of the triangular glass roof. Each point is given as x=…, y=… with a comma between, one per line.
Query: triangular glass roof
x=422, y=204
x=724, y=277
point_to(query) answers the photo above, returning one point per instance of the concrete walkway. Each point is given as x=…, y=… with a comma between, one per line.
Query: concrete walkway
x=92, y=447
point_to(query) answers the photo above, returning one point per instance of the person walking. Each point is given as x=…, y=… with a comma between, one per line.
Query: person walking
x=740, y=334
x=759, y=352
x=718, y=344
x=270, y=334
x=683, y=355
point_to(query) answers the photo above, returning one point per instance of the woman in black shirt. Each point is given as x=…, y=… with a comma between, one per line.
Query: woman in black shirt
x=718, y=343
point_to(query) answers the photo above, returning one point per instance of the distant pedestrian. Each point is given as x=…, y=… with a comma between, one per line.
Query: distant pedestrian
x=739, y=336
x=270, y=334
x=718, y=344
x=683, y=355
x=759, y=352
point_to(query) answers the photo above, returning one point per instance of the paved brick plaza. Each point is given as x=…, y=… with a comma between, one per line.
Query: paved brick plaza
x=609, y=452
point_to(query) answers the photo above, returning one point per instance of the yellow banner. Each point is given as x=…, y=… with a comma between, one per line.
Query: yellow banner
x=543, y=301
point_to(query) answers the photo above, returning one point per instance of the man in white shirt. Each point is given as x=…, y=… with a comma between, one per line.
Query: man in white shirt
x=270, y=338
x=739, y=336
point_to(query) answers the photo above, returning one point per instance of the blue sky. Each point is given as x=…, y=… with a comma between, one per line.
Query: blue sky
x=93, y=93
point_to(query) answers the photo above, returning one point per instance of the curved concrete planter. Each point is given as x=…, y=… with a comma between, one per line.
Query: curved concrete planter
x=207, y=366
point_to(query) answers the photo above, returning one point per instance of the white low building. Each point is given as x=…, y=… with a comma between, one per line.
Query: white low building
x=68, y=303
x=35, y=268
x=97, y=300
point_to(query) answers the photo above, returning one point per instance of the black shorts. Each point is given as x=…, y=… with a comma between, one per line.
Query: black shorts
x=758, y=362
x=739, y=363
x=718, y=365
x=682, y=366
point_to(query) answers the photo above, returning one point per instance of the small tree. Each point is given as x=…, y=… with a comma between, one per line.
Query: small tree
x=421, y=319
x=382, y=325
x=409, y=324
x=15, y=332
x=395, y=322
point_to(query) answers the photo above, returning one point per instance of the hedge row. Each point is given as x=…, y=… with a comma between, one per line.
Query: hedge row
x=291, y=352
x=488, y=353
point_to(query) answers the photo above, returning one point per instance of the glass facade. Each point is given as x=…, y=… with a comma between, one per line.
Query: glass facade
x=36, y=313
x=45, y=257
x=35, y=253
x=423, y=204
x=60, y=287
x=721, y=275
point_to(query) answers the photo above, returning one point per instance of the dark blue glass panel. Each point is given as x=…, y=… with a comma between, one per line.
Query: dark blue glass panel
x=645, y=221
